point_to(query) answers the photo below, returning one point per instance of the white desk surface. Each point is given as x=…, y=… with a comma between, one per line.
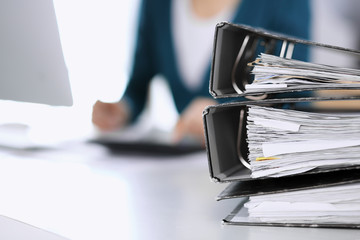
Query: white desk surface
x=82, y=192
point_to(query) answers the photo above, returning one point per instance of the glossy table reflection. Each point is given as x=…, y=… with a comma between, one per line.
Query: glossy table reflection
x=82, y=191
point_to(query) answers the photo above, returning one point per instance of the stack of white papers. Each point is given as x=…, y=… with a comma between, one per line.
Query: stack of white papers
x=272, y=72
x=284, y=142
x=338, y=204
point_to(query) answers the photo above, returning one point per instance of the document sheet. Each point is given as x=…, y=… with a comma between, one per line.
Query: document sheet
x=337, y=204
x=284, y=142
x=276, y=73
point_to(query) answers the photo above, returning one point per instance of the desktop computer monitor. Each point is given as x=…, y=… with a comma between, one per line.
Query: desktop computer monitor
x=32, y=66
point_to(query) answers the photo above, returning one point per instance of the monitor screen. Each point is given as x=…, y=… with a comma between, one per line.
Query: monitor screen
x=32, y=66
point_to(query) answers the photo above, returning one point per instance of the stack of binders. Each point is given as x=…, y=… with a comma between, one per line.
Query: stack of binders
x=288, y=163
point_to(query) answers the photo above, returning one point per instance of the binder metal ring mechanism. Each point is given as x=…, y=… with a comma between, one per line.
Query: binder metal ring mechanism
x=301, y=156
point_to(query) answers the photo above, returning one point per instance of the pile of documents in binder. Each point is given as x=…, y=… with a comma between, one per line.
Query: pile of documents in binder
x=288, y=165
x=284, y=142
x=336, y=204
x=275, y=72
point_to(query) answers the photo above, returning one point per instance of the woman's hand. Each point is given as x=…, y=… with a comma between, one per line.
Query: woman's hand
x=110, y=116
x=190, y=123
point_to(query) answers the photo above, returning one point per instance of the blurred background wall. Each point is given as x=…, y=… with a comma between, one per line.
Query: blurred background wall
x=98, y=39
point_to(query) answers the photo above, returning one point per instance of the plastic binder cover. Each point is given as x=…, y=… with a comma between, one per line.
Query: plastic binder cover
x=242, y=190
x=240, y=216
x=237, y=45
x=226, y=133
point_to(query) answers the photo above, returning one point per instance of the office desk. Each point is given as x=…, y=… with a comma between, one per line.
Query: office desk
x=81, y=191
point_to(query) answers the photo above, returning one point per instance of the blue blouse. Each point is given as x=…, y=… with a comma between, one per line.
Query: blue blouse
x=155, y=50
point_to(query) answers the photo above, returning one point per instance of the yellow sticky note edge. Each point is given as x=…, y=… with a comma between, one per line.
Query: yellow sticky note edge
x=266, y=158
